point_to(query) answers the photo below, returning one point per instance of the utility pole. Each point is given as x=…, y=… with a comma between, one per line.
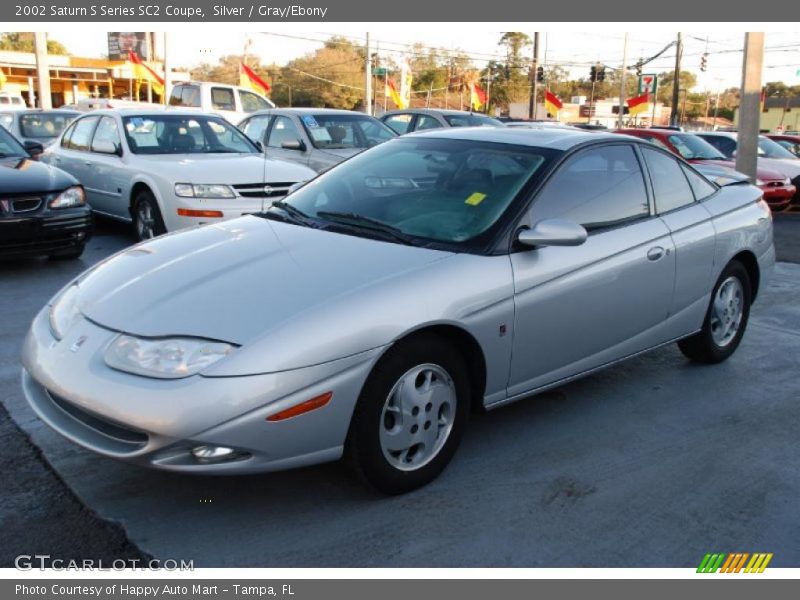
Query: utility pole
x=622, y=81
x=167, y=81
x=42, y=69
x=149, y=40
x=676, y=82
x=749, y=107
x=367, y=79
x=532, y=104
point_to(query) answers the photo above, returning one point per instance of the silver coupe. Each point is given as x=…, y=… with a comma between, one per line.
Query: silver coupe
x=368, y=312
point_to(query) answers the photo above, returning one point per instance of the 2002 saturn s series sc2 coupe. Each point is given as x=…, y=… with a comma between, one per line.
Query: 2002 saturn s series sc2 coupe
x=368, y=311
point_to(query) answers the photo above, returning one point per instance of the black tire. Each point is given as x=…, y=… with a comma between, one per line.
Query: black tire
x=71, y=253
x=147, y=228
x=363, y=447
x=702, y=346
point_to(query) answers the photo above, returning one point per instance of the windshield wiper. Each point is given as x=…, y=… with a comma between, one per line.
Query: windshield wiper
x=368, y=224
x=294, y=214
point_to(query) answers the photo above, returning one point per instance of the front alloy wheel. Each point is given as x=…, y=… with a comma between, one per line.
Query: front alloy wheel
x=410, y=416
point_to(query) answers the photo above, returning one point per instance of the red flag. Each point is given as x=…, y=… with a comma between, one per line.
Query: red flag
x=142, y=71
x=249, y=78
x=638, y=104
x=552, y=103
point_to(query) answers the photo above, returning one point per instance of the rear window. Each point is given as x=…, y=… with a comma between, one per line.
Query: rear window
x=185, y=95
x=44, y=125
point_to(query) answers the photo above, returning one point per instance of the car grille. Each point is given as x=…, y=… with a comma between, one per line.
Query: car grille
x=777, y=183
x=16, y=206
x=276, y=189
x=102, y=426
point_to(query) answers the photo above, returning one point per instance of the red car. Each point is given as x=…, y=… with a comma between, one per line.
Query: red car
x=789, y=141
x=778, y=189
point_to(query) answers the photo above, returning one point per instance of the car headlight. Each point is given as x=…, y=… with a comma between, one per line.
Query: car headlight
x=787, y=181
x=165, y=358
x=203, y=190
x=760, y=182
x=70, y=197
x=64, y=312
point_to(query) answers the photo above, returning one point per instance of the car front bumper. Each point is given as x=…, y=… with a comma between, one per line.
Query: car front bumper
x=156, y=422
x=44, y=233
x=778, y=197
x=202, y=211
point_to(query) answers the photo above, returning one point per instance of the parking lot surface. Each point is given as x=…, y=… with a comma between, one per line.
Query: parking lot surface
x=653, y=462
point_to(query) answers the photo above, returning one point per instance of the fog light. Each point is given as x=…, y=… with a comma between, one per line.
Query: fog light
x=213, y=453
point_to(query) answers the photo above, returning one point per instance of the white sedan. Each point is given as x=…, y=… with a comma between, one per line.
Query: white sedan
x=167, y=170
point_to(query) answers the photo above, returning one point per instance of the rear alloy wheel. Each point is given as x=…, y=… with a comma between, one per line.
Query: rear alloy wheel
x=410, y=416
x=726, y=318
x=147, y=219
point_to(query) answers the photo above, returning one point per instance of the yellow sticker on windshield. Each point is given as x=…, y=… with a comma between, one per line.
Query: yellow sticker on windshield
x=475, y=199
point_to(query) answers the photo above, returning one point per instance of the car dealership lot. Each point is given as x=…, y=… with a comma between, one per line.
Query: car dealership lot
x=650, y=463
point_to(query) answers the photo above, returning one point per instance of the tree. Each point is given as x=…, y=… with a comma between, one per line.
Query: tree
x=665, y=84
x=23, y=42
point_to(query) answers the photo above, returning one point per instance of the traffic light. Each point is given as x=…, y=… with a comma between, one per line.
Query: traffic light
x=601, y=73
x=540, y=74
x=639, y=67
x=593, y=74
x=704, y=62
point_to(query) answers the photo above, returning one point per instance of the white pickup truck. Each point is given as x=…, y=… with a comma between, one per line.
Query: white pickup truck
x=231, y=102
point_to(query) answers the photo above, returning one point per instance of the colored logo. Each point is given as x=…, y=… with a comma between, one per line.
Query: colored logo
x=735, y=562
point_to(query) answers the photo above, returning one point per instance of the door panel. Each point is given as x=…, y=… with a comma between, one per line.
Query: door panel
x=580, y=307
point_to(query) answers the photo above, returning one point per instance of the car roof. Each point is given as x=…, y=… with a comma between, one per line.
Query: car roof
x=557, y=139
x=36, y=111
x=307, y=111
x=436, y=111
x=149, y=112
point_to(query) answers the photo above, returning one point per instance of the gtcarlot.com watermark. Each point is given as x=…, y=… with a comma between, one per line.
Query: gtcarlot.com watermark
x=41, y=562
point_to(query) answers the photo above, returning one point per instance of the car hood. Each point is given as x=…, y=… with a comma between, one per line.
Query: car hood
x=23, y=175
x=236, y=168
x=788, y=166
x=235, y=281
x=764, y=172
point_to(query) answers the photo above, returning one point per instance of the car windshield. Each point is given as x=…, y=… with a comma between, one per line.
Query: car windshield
x=692, y=147
x=44, y=125
x=770, y=149
x=428, y=190
x=471, y=120
x=9, y=146
x=180, y=134
x=329, y=132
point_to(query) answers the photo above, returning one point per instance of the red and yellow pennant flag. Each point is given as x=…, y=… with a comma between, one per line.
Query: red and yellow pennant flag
x=249, y=79
x=391, y=91
x=142, y=71
x=477, y=96
x=638, y=104
x=552, y=104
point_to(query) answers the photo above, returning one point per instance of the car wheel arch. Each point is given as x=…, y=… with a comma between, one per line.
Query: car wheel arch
x=465, y=344
x=749, y=261
x=137, y=188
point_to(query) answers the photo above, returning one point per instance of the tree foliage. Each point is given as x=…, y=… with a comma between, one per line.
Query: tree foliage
x=23, y=42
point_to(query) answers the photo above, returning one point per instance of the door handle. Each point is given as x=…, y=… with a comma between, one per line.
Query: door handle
x=655, y=253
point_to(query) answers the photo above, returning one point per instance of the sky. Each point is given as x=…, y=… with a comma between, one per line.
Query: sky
x=576, y=46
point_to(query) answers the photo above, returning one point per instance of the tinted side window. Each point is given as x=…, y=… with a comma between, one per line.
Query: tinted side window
x=67, y=135
x=106, y=132
x=283, y=130
x=598, y=187
x=82, y=134
x=725, y=145
x=701, y=187
x=399, y=123
x=222, y=99
x=670, y=186
x=426, y=122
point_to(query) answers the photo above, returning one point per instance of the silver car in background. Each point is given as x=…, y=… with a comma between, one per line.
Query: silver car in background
x=318, y=138
x=367, y=313
x=169, y=170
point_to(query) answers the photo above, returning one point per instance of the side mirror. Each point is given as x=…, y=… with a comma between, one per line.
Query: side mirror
x=33, y=148
x=293, y=145
x=106, y=147
x=553, y=232
x=260, y=146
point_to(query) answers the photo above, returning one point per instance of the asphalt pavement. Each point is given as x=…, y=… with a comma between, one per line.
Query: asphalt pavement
x=651, y=463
